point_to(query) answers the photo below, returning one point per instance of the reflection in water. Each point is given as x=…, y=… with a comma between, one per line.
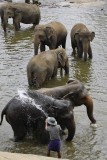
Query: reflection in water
x=82, y=70
x=19, y=37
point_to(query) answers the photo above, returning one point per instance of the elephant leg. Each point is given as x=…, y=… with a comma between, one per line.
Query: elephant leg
x=42, y=47
x=54, y=73
x=73, y=47
x=90, y=52
x=68, y=122
x=2, y=19
x=71, y=130
x=17, y=26
x=17, y=21
x=44, y=137
x=64, y=43
x=89, y=105
x=80, y=52
x=19, y=132
x=53, y=45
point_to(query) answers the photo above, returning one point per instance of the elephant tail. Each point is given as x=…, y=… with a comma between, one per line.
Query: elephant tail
x=2, y=115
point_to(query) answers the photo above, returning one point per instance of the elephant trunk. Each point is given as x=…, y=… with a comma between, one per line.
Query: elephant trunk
x=71, y=130
x=36, y=45
x=67, y=68
x=89, y=105
x=69, y=123
x=85, y=50
x=5, y=21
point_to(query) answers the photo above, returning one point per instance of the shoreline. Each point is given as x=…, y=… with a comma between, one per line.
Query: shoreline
x=17, y=156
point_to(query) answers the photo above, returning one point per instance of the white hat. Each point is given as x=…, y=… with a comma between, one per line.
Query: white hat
x=52, y=121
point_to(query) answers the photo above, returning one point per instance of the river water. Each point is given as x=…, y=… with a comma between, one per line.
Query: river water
x=16, y=48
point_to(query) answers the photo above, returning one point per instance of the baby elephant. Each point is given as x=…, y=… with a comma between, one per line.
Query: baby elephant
x=52, y=34
x=44, y=66
x=80, y=39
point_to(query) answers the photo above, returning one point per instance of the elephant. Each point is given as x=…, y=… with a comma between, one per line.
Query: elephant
x=74, y=91
x=52, y=34
x=44, y=66
x=27, y=111
x=80, y=39
x=2, y=8
x=21, y=12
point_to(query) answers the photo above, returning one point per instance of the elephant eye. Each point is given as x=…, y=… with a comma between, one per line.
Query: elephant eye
x=89, y=38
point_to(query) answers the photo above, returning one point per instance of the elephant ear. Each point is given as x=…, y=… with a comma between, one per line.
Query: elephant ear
x=92, y=35
x=71, y=95
x=76, y=36
x=49, y=32
x=17, y=11
x=61, y=59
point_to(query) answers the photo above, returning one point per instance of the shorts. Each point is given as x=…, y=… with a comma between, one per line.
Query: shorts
x=54, y=145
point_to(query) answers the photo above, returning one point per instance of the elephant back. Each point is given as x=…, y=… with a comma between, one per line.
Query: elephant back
x=77, y=28
x=59, y=28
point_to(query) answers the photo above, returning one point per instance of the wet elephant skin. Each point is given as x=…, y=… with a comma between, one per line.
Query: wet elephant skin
x=29, y=114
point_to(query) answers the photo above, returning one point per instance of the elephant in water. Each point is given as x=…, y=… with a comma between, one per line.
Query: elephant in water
x=44, y=66
x=2, y=9
x=28, y=111
x=74, y=91
x=20, y=12
x=80, y=39
x=52, y=34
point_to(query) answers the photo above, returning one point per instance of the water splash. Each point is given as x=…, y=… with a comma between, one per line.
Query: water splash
x=25, y=98
x=94, y=125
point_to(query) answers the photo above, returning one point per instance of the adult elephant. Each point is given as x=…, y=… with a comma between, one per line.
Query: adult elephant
x=44, y=66
x=74, y=91
x=52, y=34
x=21, y=12
x=80, y=39
x=28, y=111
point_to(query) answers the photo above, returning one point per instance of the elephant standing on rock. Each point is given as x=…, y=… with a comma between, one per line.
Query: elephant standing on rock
x=74, y=91
x=44, y=66
x=52, y=34
x=21, y=12
x=80, y=39
x=28, y=111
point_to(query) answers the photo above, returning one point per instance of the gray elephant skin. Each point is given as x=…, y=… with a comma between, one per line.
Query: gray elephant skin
x=2, y=8
x=80, y=39
x=43, y=66
x=20, y=12
x=74, y=91
x=52, y=34
x=28, y=113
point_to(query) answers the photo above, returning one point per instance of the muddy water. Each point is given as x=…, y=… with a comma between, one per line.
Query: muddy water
x=16, y=48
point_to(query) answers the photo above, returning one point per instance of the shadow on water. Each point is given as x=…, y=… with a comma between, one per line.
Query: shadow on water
x=82, y=70
x=57, y=81
x=14, y=37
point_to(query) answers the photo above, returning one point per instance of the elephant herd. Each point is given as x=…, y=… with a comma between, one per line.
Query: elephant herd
x=28, y=112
